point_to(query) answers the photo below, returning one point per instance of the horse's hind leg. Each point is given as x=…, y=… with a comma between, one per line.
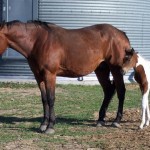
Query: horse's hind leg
x=145, y=110
x=144, y=106
x=148, y=115
x=102, y=73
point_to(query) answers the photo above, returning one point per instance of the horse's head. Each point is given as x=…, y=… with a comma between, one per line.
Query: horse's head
x=3, y=38
x=129, y=60
x=3, y=43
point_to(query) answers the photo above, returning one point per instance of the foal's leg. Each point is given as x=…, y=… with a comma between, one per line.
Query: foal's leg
x=120, y=87
x=148, y=114
x=147, y=110
x=144, y=110
x=102, y=73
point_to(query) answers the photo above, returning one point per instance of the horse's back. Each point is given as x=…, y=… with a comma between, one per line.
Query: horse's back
x=80, y=51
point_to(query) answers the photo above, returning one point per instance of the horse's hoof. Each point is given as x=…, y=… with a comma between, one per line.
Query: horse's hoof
x=140, y=128
x=43, y=128
x=100, y=123
x=147, y=124
x=116, y=125
x=50, y=131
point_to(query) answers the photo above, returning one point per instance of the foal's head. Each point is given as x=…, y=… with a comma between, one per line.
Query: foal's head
x=130, y=60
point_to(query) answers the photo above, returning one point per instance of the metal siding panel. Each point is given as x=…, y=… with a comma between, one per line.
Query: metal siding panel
x=35, y=9
x=129, y=16
x=1, y=10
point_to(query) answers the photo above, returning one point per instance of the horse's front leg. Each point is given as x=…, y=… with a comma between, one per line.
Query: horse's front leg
x=120, y=87
x=50, y=81
x=41, y=84
x=44, y=123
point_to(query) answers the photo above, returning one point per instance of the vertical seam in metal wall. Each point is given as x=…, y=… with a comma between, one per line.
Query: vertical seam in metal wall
x=35, y=9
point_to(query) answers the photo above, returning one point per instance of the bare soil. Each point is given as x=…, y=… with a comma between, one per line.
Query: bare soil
x=128, y=137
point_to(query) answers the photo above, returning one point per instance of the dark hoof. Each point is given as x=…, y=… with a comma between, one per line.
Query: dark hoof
x=100, y=123
x=43, y=128
x=50, y=131
x=116, y=125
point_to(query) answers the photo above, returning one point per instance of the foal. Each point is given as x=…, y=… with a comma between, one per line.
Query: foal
x=142, y=76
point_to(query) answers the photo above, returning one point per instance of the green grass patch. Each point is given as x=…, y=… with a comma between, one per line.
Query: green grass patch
x=21, y=112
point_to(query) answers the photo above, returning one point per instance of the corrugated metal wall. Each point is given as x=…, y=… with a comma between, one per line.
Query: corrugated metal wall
x=133, y=17
x=1, y=10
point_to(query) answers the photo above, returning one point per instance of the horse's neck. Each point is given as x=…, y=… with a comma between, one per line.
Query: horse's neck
x=141, y=60
x=146, y=66
x=18, y=40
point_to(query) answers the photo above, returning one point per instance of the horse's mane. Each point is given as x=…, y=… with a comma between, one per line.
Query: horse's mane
x=143, y=58
x=8, y=24
x=39, y=23
x=125, y=34
x=35, y=22
x=140, y=55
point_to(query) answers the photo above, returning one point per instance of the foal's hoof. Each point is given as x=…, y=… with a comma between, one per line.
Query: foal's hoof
x=100, y=123
x=50, y=131
x=43, y=128
x=116, y=125
x=140, y=128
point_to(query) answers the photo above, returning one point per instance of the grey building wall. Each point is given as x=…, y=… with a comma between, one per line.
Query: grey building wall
x=129, y=16
x=1, y=10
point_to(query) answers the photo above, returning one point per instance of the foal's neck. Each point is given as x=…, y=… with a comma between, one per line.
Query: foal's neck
x=142, y=61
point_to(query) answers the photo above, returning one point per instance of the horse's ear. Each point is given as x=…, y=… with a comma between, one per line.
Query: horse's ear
x=132, y=50
x=128, y=54
x=129, y=51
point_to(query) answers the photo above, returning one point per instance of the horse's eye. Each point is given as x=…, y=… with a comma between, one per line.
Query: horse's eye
x=126, y=59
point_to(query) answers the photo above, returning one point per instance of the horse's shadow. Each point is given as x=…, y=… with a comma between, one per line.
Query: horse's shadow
x=59, y=120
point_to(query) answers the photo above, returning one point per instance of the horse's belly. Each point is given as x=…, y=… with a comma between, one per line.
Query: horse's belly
x=72, y=74
x=77, y=71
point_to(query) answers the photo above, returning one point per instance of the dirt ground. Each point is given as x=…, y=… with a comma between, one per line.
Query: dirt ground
x=128, y=137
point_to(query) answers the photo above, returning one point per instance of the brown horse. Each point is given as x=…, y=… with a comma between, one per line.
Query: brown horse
x=54, y=51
